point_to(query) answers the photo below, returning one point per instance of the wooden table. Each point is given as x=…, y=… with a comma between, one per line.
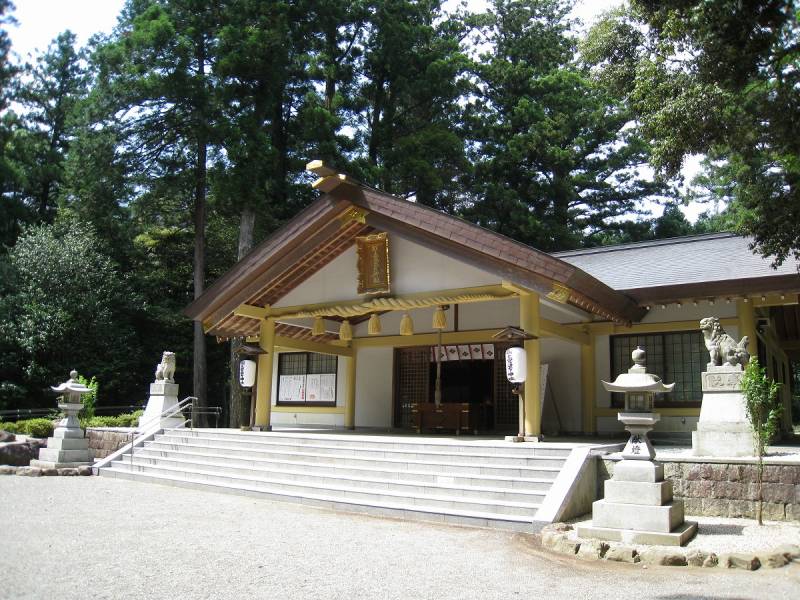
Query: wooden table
x=455, y=416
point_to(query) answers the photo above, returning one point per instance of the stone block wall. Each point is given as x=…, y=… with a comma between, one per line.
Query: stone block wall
x=103, y=441
x=728, y=489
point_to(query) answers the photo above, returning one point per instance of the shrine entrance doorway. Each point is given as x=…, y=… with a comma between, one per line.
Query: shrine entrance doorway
x=480, y=383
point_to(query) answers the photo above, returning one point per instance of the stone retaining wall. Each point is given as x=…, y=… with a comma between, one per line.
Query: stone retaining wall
x=727, y=489
x=104, y=441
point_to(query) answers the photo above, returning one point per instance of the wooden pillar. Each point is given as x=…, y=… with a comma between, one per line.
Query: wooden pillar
x=747, y=325
x=350, y=398
x=266, y=341
x=530, y=322
x=588, y=384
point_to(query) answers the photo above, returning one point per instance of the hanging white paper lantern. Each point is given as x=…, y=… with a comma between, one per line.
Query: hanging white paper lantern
x=247, y=373
x=516, y=365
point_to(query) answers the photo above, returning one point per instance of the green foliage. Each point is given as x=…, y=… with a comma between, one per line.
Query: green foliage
x=10, y=427
x=764, y=410
x=38, y=428
x=123, y=420
x=556, y=165
x=69, y=308
x=763, y=405
x=717, y=78
x=89, y=400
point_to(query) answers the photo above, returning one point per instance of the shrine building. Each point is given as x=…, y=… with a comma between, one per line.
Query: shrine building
x=352, y=300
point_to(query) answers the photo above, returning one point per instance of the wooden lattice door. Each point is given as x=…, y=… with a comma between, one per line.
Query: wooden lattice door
x=412, y=369
x=506, y=404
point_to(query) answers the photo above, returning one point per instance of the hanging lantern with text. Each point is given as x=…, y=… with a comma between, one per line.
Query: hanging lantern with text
x=516, y=365
x=247, y=373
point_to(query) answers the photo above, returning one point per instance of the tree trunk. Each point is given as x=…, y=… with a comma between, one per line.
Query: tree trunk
x=199, y=354
x=239, y=414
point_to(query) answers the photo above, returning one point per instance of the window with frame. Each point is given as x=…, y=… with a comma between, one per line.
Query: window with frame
x=306, y=379
x=677, y=357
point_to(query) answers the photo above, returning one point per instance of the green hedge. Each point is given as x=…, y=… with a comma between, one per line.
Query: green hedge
x=124, y=420
x=9, y=427
x=38, y=428
x=42, y=428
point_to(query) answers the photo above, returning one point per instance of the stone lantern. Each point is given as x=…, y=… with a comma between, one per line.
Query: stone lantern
x=640, y=389
x=638, y=507
x=68, y=447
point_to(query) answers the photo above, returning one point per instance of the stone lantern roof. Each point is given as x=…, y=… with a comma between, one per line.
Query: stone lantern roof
x=637, y=379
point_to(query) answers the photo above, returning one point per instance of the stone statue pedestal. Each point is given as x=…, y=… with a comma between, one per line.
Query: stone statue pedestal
x=163, y=397
x=68, y=448
x=723, y=428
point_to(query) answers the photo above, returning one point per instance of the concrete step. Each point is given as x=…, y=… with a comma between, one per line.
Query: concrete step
x=540, y=481
x=342, y=494
x=362, y=480
x=462, y=457
x=442, y=462
x=377, y=442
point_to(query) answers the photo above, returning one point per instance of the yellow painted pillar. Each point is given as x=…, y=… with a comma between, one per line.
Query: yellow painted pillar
x=588, y=385
x=529, y=321
x=350, y=399
x=747, y=325
x=266, y=341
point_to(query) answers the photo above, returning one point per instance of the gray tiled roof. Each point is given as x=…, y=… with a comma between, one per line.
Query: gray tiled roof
x=683, y=260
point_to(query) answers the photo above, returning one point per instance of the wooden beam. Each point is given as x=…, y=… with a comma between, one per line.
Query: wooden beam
x=319, y=168
x=426, y=339
x=607, y=328
x=309, y=346
x=329, y=183
x=774, y=300
x=497, y=290
x=252, y=312
x=573, y=334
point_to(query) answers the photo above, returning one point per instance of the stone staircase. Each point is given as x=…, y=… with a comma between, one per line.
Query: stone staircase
x=477, y=482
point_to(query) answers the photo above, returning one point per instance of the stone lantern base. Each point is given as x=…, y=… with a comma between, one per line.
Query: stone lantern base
x=68, y=448
x=638, y=508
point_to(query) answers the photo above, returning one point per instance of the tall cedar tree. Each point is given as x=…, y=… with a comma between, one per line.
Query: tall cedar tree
x=158, y=69
x=54, y=87
x=412, y=76
x=13, y=211
x=555, y=166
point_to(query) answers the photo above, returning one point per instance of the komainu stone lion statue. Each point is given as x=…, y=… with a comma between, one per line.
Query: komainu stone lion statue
x=722, y=348
x=165, y=371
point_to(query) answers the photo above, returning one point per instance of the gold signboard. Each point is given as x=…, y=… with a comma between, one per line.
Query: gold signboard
x=372, y=260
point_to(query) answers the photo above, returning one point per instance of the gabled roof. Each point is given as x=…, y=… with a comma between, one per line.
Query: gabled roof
x=323, y=231
x=700, y=265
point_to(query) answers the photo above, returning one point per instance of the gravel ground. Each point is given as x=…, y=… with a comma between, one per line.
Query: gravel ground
x=94, y=537
x=777, y=454
x=719, y=535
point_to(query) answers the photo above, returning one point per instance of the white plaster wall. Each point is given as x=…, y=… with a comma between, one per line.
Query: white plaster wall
x=487, y=315
x=374, y=375
x=689, y=312
x=413, y=269
x=563, y=359
x=562, y=313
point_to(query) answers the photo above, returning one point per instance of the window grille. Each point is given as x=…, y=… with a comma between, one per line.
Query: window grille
x=294, y=369
x=677, y=357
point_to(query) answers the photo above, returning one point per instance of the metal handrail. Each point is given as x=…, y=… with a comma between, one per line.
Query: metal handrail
x=206, y=410
x=28, y=412
x=165, y=414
